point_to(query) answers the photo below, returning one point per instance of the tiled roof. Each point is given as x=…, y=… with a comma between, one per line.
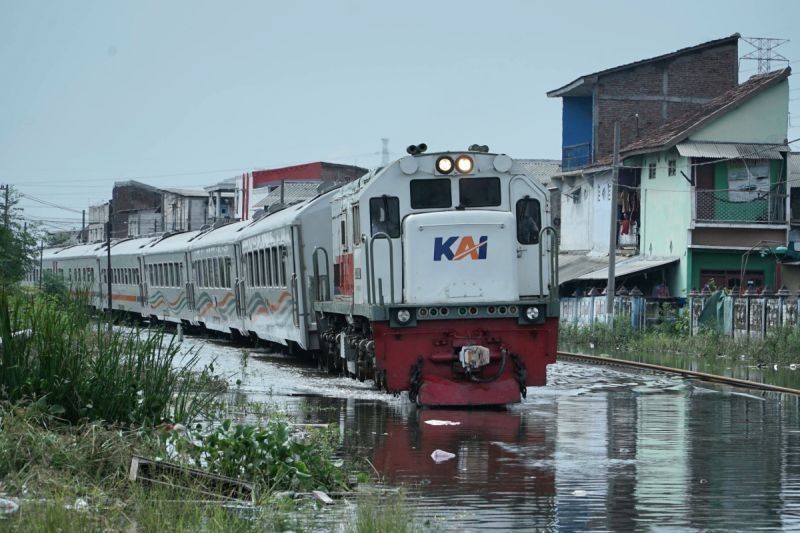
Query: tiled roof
x=294, y=191
x=589, y=78
x=541, y=169
x=674, y=131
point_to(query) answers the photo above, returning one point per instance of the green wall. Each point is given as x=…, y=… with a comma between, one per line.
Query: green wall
x=729, y=260
x=725, y=210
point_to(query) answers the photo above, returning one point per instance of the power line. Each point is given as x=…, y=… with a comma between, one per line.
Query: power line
x=50, y=204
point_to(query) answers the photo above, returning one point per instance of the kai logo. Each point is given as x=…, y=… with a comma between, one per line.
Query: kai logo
x=466, y=247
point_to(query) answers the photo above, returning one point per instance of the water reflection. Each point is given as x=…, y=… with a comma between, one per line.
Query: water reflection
x=595, y=449
x=620, y=454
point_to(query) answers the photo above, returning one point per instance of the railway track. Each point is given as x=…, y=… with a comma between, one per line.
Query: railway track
x=610, y=361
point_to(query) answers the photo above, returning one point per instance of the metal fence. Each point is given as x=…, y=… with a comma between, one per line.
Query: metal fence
x=737, y=206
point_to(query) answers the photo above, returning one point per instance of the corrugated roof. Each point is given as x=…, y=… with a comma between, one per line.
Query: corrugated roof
x=591, y=78
x=294, y=191
x=627, y=266
x=677, y=130
x=186, y=192
x=731, y=150
x=541, y=169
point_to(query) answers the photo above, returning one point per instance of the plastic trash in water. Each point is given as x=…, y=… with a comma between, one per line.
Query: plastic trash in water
x=441, y=456
x=579, y=492
x=442, y=423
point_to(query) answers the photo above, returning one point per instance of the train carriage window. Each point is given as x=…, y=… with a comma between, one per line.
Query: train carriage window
x=384, y=216
x=170, y=275
x=275, y=275
x=215, y=265
x=228, y=272
x=206, y=274
x=161, y=276
x=221, y=271
x=529, y=221
x=430, y=194
x=250, y=269
x=179, y=274
x=356, y=225
x=283, y=258
x=262, y=268
x=479, y=192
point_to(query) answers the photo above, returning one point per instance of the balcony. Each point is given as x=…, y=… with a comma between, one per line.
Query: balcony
x=740, y=207
x=576, y=156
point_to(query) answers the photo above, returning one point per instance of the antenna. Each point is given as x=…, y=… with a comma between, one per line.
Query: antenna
x=385, y=152
x=764, y=52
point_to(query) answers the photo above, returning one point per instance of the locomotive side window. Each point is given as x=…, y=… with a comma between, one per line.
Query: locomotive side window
x=479, y=192
x=430, y=194
x=384, y=216
x=356, y=226
x=529, y=221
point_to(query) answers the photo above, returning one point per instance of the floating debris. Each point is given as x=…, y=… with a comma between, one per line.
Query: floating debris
x=441, y=456
x=442, y=423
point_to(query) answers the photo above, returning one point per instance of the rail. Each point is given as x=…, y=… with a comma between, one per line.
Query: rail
x=321, y=295
x=553, y=286
x=370, y=254
x=593, y=359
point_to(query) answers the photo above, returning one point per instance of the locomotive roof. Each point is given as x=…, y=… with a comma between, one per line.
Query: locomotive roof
x=72, y=252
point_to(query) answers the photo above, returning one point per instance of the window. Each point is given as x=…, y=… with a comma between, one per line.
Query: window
x=343, y=232
x=282, y=252
x=221, y=271
x=275, y=279
x=671, y=167
x=430, y=194
x=479, y=192
x=529, y=221
x=356, y=226
x=250, y=269
x=179, y=273
x=227, y=272
x=384, y=216
x=651, y=171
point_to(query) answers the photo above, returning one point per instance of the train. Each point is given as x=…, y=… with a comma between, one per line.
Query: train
x=436, y=274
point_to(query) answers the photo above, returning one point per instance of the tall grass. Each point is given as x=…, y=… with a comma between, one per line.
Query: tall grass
x=54, y=351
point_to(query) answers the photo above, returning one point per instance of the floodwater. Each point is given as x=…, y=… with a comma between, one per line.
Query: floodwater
x=596, y=448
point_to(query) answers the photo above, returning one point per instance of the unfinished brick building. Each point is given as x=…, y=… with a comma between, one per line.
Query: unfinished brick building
x=641, y=96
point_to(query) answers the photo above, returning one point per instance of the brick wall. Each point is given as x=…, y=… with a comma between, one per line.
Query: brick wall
x=127, y=199
x=694, y=77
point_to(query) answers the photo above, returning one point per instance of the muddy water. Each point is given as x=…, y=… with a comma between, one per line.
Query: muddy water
x=597, y=448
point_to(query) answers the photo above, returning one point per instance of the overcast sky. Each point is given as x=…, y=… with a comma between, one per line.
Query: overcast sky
x=184, y=93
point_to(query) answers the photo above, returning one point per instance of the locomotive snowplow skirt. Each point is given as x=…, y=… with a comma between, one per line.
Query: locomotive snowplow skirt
x=437, y=391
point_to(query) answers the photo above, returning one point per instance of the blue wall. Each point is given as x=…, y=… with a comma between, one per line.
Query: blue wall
x=576, y=131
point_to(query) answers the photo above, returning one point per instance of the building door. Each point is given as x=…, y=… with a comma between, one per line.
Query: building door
x=704, y=191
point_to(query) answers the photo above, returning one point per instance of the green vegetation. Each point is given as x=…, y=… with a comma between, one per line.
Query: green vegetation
x=17, y=245
x=780, y=346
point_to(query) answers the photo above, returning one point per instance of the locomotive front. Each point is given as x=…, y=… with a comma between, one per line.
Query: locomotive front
x=445, y=270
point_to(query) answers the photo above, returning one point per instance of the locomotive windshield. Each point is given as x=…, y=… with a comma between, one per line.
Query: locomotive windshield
x=384, y=216
x=430, y=194
x=479, y=192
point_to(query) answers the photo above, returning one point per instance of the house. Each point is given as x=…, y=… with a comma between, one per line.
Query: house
x=135, y=209
x=97, y=219
x=256, y=185
x=184, y=209
x=222, y=200
x=641, y=97
x=714, y=188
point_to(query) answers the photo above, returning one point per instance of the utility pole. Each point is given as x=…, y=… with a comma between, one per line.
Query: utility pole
x=83, y=226
x=108, y=261
x=612, y=234
x=6, y=204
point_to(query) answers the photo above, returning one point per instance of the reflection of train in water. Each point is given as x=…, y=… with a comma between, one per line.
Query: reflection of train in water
x=435, y=275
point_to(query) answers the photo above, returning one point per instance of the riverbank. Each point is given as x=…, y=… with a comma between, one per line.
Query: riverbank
x=79, y=399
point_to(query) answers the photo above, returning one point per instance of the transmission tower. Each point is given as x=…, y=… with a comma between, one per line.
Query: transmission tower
x=764, y=52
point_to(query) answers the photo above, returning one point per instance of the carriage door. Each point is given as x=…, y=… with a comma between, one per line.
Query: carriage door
x=238, y=283
x=528, y=206
x=187, y=260
x=141, y=280
x=295, y=281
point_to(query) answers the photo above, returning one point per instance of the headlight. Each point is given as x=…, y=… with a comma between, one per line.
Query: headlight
x=444, y=165
x=532, y=313
x=403, y=316
x=464, y=164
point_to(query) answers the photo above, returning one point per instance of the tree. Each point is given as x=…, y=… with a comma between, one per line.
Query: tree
x=17, y=245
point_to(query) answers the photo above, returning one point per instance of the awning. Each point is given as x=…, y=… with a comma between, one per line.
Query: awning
x=629, y=265
x=573, y=266
x=731, y=150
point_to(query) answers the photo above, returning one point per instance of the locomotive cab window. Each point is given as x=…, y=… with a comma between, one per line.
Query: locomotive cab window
x=479, y=192
x=431, y=194
x=384, y=216
x=529, y=221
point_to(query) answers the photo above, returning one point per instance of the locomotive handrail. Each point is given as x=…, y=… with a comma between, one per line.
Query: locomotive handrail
x=368, y=259
x=382, y=235
x=553, y=259
x=315, y=260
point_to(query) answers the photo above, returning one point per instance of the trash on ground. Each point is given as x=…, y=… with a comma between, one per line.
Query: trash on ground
x=440, y=456
x=321, y=496
x=442, y=423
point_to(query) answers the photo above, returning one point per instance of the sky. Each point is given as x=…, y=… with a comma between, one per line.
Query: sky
x=185, y=93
